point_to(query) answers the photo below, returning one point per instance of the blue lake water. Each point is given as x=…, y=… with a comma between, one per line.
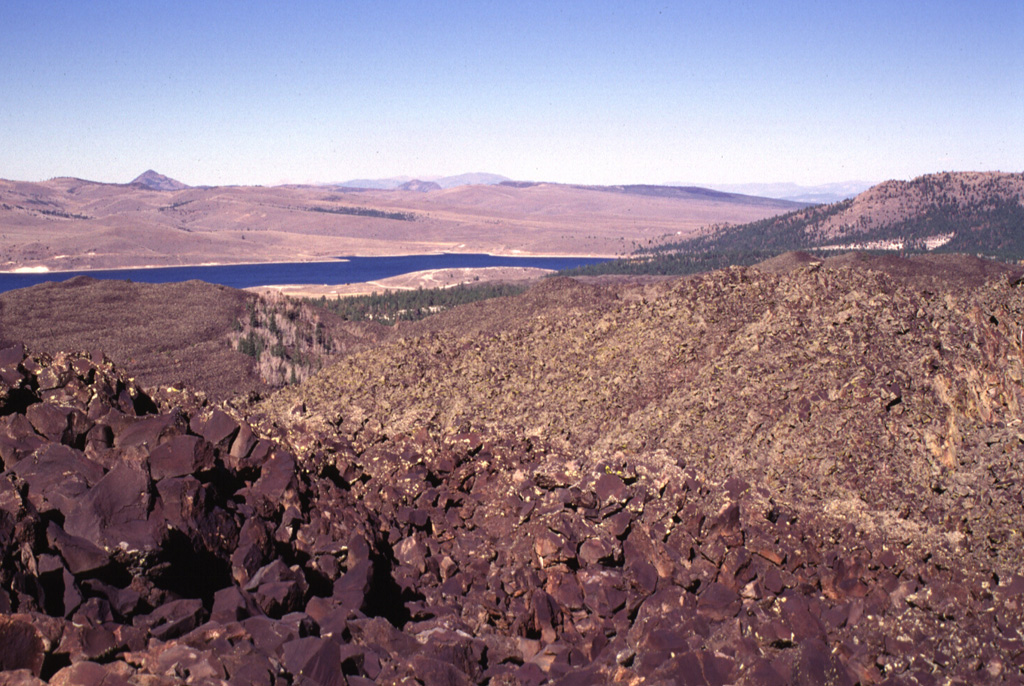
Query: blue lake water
x=344, y=270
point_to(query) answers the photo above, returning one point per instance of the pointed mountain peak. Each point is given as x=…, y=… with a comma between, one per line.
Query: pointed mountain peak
x=157, y=182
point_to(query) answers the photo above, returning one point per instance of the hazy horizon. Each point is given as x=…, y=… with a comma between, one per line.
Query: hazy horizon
x=742, y=188
x=589, y=93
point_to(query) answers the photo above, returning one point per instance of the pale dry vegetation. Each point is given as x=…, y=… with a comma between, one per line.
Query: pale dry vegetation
x=67, y=224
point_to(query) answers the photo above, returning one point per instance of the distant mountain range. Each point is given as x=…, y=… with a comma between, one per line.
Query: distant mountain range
x=693, y=193
x=804, y=195
x=813, y=195
x=419, y=184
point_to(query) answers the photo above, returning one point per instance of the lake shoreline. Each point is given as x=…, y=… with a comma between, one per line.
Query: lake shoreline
x=43, y=269
x=340, y=271
x=425, y=279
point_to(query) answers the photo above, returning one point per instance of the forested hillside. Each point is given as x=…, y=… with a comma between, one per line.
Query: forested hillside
x=975, y=214
x=412, y=305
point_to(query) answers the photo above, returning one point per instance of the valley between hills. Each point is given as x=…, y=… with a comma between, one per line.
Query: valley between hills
x=805, y=470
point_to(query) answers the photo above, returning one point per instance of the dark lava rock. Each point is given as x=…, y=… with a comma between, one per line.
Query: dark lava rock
x=80, y=556
x=181, y=455
x=114, y=513
x=21, y=646
x=194, y=545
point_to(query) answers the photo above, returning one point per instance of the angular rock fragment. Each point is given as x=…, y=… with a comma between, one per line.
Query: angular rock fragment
x=252, y=552
x=173, y=619
x=21, y=646
x=316, y=660
x=113, y=514
x=817, y=664
x=58, y=477
x=278, y=589
x=219, y=429
x=80, y=555
x=148, y=431
x=610, y=487
x=88, y=674
x=50, y=421
x=718, y=603
x=181, y=455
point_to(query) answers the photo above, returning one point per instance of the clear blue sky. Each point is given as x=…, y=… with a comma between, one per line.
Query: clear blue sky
x=589, y=92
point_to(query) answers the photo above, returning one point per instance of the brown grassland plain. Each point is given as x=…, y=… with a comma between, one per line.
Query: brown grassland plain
x=71, y=224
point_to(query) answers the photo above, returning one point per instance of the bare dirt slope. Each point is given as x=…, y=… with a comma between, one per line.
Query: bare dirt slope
x=431, y=278
x=74, y=224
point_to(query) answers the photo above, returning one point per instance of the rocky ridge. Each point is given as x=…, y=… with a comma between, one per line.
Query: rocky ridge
x=892, y=400
x=896, y=201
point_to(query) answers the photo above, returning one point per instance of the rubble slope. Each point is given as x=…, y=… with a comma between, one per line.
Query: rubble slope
x=892, y=400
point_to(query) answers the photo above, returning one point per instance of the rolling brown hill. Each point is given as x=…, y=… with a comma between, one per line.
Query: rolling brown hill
x=66, y=224
x=166, y=334
x=896, y=203
x=184, y=335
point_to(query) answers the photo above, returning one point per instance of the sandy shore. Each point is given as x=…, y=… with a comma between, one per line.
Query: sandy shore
x=58, y=264
x=430, y=278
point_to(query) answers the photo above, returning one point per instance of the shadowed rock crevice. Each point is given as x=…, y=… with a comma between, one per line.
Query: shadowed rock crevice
x=17, y=401
x=190, y=572
x=385, y=597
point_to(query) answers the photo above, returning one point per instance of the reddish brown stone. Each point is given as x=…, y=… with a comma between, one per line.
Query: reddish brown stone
x=21, y=646
x=314, y=659
x=148, y=432
x=12, y=355
x=114, y=513
x=610, y=487
x=718, y=603
x=87, y=674
x=180, y=456
x=173, y=619
x=597, y=550
x=818, y=666
x=219, y=429
x=58, y=476
x=50, y=421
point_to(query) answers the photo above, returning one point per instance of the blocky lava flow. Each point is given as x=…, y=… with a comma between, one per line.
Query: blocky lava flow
x=150, y=545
